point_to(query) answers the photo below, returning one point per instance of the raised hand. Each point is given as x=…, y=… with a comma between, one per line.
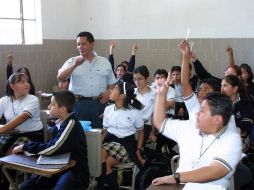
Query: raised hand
x=184, y=47
x=112, y=46
x=9, y=57
x=163, y=88
x=229, y=49
x=134, y=49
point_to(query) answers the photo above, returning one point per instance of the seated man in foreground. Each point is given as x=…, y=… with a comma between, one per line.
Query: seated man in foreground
x=209, y=150
x=67, y=136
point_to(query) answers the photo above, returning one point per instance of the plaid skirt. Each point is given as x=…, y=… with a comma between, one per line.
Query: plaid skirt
x=117, y=151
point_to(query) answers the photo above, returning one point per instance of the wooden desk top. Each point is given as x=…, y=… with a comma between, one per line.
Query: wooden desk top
x=28, y=164
x=166, y=187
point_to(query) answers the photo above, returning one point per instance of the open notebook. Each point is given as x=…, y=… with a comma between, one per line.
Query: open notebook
x=58, y=159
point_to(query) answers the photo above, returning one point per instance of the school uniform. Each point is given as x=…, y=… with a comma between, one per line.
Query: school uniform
x=148, y=100
x=32, y=127
x=122, y=125
x=68, y=136
x=223, y=147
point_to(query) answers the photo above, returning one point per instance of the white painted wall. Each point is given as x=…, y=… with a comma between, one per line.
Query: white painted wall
x=144, y=19
x=60, y=19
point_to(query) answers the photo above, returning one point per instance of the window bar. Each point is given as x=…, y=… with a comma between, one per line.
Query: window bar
x=22, y=22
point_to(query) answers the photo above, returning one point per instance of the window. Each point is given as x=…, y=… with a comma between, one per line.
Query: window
x=20, y=22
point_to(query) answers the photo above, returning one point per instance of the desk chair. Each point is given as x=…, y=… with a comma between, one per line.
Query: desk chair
x=174, y=163
x=43, y=115
x=127, y=167
x=93, y=141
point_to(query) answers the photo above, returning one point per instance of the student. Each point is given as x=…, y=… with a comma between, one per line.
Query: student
x=21, y=111
x=121, y=74
x=129, y=66
x=209, y=150
x=9, y=71
x=159, y=76
x=121, y=122
x=180, y=109
x=67, y=136
x=242, y=174
x=146, y=95
x=202, y=73
x=246, y=74
x=242, y=109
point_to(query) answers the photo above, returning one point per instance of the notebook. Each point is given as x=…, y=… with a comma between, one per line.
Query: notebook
x=58, y=159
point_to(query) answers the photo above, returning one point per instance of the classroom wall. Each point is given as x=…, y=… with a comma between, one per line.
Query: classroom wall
x=168, y=19
x=144, y=22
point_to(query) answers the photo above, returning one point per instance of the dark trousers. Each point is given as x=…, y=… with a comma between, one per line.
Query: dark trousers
x=89, y=110
x=63, y=181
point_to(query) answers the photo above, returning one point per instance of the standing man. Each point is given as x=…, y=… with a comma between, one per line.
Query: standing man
x=91, y=78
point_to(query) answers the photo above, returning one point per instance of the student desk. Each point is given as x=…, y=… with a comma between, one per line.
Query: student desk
x=27, y=164
x=166, y=187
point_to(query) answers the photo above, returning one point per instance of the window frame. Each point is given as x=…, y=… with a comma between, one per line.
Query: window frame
x=22, y=23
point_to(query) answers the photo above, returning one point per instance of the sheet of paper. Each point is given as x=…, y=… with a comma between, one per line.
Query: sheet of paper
x=203, y=186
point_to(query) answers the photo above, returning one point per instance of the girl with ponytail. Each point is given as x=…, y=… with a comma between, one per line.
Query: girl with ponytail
x=121, y=121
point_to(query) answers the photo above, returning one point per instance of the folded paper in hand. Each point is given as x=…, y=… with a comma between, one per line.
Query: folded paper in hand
x=58, y=159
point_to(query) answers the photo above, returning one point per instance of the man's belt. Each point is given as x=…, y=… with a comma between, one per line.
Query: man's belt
x=79, y=97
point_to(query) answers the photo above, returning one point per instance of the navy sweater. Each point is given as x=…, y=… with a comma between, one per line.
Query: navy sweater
x=70, y=137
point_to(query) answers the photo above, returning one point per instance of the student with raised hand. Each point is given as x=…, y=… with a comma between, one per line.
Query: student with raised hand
x=67, y=136
x=215, y=149
x=202, y=73
x=242, y=109
x=121, y=121
x=128, y=65
x=21, y=111
x=146, y=95
x=246, y=74
x=191, y=100
x=9, y=71
x=175, y=79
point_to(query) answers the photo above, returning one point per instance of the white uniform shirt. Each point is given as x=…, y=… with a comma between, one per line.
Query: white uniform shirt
x=122, y=122
x=90, y=78
x=224, y=148
x=170, y=96
x=193, y=105
x=29, y=104
x=148, y=100
x=179, y=93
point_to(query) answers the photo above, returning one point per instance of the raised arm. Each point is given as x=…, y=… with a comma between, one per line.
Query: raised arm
x=159, y=113
x=231, y=59
x=185, y=72
x=9, y=69
x=112, y=46
x=201, y=72
x=131, y=65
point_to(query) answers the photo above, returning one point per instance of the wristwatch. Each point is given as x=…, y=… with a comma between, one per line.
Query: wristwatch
x=177, y=177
